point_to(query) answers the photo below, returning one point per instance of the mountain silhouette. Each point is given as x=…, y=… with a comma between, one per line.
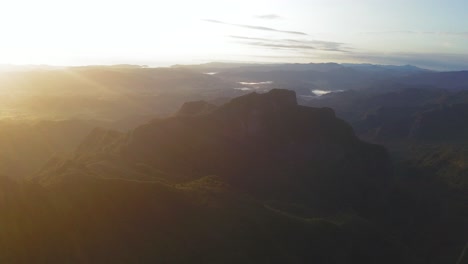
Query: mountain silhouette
x=263, y=144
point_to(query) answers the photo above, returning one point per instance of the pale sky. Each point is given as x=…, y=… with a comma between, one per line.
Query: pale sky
x=430, y=33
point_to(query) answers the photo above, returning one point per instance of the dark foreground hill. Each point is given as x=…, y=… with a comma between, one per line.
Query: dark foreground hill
x=91, y=220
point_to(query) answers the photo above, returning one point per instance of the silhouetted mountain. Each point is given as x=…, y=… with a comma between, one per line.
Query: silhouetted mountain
x=196, y=108
x=264, y=144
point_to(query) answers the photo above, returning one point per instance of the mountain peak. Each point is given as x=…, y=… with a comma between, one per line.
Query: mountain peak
x=274, y=99
x=195, y=108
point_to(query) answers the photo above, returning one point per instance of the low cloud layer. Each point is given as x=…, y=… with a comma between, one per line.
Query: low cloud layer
x=256, y=27
x=410, y=32
x=269, y=16
x=292, y=44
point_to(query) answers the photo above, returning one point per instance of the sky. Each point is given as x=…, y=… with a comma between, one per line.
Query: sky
x=431, y=33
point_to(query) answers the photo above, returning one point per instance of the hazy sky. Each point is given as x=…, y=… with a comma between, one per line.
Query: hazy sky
x=428, y=33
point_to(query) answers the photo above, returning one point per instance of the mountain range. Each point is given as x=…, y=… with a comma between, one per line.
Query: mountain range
x=213, y=164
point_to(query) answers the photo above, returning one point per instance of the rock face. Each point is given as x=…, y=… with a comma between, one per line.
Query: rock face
x=269, y=146
x=148, y=195
x=195, y=108
x=265, y=145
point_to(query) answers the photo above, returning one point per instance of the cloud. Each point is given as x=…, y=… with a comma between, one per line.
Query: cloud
x=270, y=29
x=293, y=44
x=214, y=21
x=326, y=45
x=409, y=32
x=269, y=16
x=284, y=46
x=249, y=38
x=256, y=27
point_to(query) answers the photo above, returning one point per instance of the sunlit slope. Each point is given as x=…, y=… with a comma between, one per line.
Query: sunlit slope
x=105, y=92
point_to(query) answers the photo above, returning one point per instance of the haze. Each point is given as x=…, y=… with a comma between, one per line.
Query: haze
x=253, y=132
x=429, y=34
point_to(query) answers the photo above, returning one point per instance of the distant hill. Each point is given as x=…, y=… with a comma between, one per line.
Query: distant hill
x=415, y=113
x=304, y=78
x=457, y=80
x=319, y=67
x=26, y=145
x=104, y=92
